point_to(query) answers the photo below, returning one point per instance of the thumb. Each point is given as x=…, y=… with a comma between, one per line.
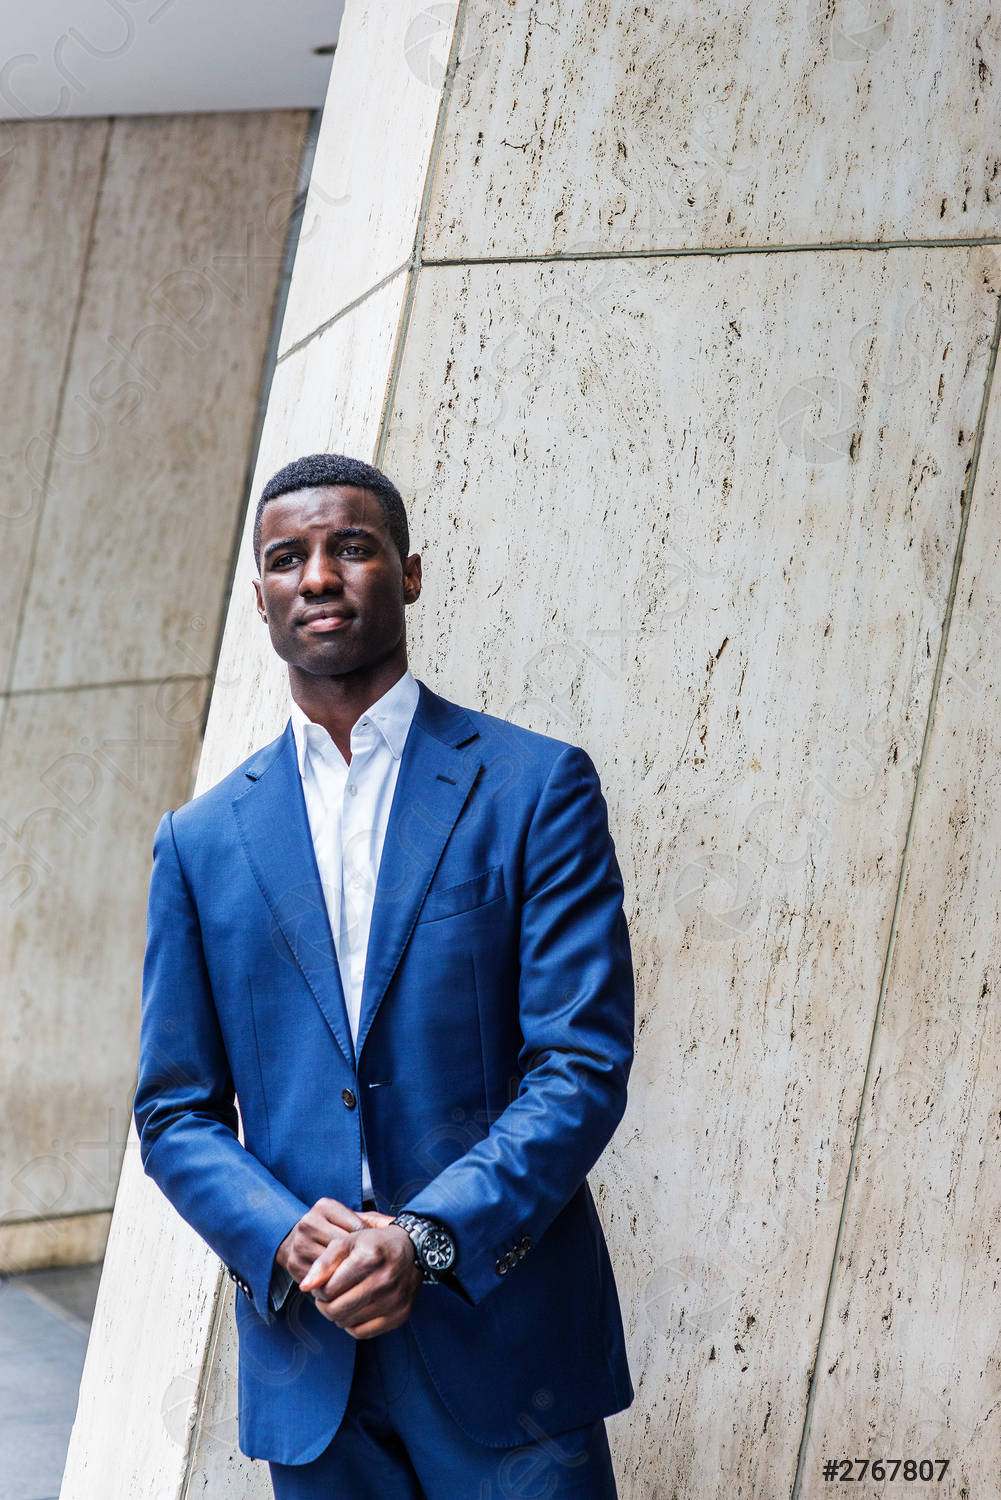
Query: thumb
x=373, y=1220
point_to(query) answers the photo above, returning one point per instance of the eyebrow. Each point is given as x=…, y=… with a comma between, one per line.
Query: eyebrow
x=340, y=533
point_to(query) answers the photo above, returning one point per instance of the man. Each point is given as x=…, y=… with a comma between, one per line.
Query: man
x=396, y=935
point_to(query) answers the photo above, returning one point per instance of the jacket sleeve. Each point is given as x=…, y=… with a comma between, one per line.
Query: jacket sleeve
x=575, y=1005
x=185, y=1107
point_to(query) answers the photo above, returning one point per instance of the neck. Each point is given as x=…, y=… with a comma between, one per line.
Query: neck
x=339, y=702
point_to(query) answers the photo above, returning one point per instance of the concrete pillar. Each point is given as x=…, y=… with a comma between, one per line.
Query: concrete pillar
x=677, y=327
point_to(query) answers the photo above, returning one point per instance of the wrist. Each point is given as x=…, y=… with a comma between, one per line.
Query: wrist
x=282, y=1253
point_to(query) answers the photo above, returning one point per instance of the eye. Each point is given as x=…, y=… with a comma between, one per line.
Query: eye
x=276, y=561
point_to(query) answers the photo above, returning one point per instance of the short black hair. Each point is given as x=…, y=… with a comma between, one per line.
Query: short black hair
x=317, y=471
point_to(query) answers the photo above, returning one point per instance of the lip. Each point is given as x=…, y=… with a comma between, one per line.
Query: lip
x=319, y=621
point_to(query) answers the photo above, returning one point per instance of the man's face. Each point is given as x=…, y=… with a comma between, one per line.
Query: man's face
x=332, y=586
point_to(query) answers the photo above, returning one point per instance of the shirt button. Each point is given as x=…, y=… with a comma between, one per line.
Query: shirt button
x=349, y=1099
x=353, y=790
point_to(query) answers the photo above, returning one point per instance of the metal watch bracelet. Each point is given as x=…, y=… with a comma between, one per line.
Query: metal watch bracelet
x=434, y=1248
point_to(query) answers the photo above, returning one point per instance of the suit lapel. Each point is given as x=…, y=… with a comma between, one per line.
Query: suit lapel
x=434, y=781
x=274, y=828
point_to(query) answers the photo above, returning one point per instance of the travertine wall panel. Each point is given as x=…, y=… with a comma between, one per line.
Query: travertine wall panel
x=615, y=125
x=911, y=1363
x=371, y=159
x=155, y=1312
x=86, y=775
x=714, y=552
x=77, y=1240
x=150, y=452
x=49, y=177
x=217, y=1465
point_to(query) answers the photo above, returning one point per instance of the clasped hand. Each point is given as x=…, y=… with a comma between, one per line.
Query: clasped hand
x=359, y=1268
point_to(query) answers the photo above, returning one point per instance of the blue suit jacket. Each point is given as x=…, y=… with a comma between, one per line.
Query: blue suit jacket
x=493, y=1051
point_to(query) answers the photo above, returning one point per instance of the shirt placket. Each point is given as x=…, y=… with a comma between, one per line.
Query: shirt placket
x=356, y=870
x=324, y=786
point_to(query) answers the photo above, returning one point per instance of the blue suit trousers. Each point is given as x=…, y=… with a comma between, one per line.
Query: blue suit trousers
x=398, y=1442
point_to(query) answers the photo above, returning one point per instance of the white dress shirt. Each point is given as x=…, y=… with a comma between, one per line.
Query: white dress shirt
x=348, y=809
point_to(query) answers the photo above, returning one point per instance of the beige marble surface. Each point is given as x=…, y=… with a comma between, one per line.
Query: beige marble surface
x=217, y=1465
x=613, y=125
x=87, y=774
x=912, y=1359
x=149, y=454
x=49, y=178
x=39, y=1244
x=155, y=1309
x=361, y=214
x=699, y=516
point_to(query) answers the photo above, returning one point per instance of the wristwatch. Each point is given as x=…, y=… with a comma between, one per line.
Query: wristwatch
x=434, y=1247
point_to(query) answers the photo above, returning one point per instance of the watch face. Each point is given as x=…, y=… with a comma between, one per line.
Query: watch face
x=438, y=1250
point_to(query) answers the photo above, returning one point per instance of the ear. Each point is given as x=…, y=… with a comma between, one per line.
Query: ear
x=260, y=600
x=412, y=578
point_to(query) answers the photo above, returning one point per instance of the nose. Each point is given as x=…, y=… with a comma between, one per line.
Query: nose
x=321, y=573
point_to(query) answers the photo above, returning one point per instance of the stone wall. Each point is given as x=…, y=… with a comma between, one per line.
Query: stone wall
x=677, y=327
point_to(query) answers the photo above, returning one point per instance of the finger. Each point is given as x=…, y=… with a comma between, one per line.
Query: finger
x=373, y=1328
x=308, y=1247
x=332, y=1211
x=348, y=1274
x=315, y=1240
x=373, y=1220
x=370, y=1327
x=321, y=1268
x=381, y=1293
x=375, y=1309
x=370, y=1297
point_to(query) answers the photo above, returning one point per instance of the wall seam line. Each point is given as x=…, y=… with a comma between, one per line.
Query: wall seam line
x=96, y=687
x=60, y=404
x=683, y=251
x=416, y=260
x=202, y=1387
x=349, y=307
x=967, y=505
x=55, y=1218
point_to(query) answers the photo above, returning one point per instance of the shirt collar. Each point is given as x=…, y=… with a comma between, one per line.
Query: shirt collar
x=392, y=715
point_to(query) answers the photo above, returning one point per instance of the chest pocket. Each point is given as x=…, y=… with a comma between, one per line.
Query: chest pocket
x=451, y=900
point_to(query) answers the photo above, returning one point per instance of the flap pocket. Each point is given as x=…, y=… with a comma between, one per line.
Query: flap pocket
x=449, y=900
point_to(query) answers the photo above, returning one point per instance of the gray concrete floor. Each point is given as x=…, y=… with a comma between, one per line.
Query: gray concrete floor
x=45, y=1321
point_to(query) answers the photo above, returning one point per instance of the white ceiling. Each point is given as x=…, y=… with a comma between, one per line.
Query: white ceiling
x=60, y=58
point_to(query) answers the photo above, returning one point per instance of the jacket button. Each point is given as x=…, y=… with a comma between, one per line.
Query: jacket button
x=349, y=1099
x=502, y=1267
